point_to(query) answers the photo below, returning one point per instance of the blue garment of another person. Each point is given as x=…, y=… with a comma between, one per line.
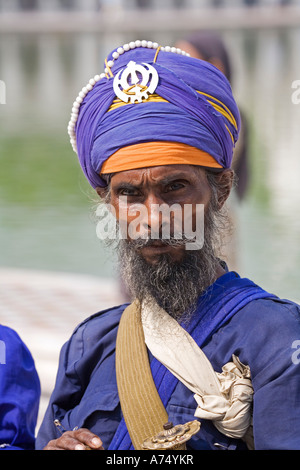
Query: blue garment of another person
x=19, y=393
x=264, y=334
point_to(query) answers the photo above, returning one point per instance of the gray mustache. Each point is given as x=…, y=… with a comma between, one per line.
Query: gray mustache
x=144, y=242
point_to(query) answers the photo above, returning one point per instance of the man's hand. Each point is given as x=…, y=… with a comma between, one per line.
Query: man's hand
x=81, y=439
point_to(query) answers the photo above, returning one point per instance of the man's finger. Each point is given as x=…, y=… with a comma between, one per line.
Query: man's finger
x=86, y=437
x=81, y=439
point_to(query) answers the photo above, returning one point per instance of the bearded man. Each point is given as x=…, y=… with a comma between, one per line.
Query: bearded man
x=199, y=347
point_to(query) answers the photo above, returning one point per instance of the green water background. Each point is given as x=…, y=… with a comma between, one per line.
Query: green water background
x=46, y=206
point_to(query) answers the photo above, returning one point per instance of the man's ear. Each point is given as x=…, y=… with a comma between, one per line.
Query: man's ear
x=225, y=181
x=101, y=192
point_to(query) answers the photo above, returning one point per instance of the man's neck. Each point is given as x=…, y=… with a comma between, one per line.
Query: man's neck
x=220, y=271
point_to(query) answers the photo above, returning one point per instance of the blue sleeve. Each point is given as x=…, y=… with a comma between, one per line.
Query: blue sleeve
x=276, y=378
x=266, y=336
x=67, y=391
x=80, y=357
x=19, y=393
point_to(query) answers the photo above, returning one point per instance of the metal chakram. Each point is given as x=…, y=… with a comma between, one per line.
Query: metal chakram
x=136, y=82
x=172, y=437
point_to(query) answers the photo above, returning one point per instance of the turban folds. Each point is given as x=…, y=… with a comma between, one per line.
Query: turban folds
x=191, y=116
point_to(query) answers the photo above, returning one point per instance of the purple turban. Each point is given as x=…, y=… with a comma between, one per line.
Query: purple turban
x=151, y=94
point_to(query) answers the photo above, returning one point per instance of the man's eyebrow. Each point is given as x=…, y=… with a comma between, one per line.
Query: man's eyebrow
x=126, y=185
x=173, y=177
x=166, y=179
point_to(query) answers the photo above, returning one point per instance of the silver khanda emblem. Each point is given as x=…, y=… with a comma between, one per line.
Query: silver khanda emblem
x=136, y=82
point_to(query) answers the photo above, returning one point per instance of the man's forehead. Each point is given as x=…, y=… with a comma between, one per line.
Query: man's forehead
x=163, y=173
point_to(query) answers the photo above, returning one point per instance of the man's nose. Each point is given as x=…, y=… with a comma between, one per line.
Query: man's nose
x=156, y=220
x=150, y=217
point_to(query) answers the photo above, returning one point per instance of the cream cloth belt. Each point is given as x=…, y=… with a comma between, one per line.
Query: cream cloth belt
x=225, y=398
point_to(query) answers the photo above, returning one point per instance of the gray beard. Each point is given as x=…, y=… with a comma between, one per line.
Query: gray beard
x=175, y=286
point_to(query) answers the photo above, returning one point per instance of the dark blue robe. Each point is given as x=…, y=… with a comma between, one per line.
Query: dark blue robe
x=19, y=393
x=264, y=334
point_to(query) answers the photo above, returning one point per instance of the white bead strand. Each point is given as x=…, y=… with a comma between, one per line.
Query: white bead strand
x=76, y=105
x=92, y=82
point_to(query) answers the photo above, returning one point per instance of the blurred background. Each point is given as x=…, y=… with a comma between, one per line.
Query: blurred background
x=54, y=271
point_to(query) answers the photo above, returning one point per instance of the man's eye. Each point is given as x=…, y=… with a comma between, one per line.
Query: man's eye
x=128, y=192
x=175, y=186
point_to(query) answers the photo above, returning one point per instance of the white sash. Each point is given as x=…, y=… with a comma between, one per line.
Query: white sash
x=225, y=398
